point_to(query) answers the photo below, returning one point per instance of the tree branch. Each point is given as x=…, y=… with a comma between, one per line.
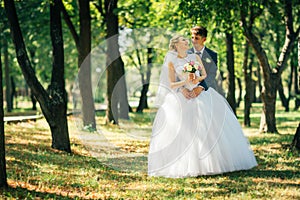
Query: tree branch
x=69, y=23
x=290, y=36
x=253, y=40
x=99, y=8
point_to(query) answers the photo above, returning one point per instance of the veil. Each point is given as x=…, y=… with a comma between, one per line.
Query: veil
x=164, y=84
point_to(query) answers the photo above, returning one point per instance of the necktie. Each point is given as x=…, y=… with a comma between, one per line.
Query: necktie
x=199, y=54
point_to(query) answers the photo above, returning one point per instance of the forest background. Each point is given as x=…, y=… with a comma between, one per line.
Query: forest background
x=76, y=56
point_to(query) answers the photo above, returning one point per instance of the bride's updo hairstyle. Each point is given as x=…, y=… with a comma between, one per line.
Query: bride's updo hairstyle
x=174, y=40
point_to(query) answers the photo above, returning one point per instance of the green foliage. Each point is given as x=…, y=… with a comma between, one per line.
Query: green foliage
x=35, y=26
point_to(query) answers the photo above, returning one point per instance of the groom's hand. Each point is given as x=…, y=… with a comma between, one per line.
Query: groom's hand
x=196, y=91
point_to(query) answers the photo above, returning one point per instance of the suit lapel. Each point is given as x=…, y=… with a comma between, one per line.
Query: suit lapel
x=205, y=54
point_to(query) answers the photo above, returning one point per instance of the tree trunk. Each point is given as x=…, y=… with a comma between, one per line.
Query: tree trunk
x=239, y=99
x=297, y=79
x=59, y=128
x=116, y=85
x=143, y=103
x=33, y=101
x=149, y=66
x=13, y=91
x=8, y=91
x=124, y=105
x=53, y=105
x=296, y=140
x=284, y=100
x=112, y=115
x=32, y=97
x=296, y=89
x=58, y=121
x=248, y=84
x=258, y=85
x=143, y=98
x=3, y=175
x=268, y=95
x=84, y=63
x=230, y=67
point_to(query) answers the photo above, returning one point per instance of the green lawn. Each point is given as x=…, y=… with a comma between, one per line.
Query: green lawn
x=118, y=170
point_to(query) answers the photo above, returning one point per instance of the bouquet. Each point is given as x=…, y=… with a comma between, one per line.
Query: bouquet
x=191, y=67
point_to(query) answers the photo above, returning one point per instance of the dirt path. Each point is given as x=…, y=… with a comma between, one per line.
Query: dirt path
x=117, y=150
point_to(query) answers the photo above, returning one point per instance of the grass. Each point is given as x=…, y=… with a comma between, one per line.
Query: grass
x=118, y=170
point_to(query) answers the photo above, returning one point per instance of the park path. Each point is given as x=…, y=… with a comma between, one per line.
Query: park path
x=107, y=147
x=113, y=149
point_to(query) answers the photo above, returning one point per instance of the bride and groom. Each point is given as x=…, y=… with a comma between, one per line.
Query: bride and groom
x=195, y=131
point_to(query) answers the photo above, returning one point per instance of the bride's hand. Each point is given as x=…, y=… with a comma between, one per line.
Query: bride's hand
x=196, y=91
x=191, y=77
x=186, y=93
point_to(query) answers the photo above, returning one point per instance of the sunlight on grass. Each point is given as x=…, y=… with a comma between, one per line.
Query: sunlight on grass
x=112, y=164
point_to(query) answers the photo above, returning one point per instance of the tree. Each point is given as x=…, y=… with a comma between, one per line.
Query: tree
x=3, y=176
x=230, y=67
x=116, y=84
x=296, y=78
x=83, y=45
x=271, y=75
x=142, y=55
x=36, y=36
x=248, y=97
x=53, y=102
x=8, y=84
x=296, y=140
x=145, y=82
x=291, y=80
x=84, y=61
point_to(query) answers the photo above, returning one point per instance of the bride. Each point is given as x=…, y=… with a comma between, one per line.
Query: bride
x=193, y=135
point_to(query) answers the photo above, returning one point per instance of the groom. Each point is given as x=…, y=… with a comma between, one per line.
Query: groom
x=208, y=57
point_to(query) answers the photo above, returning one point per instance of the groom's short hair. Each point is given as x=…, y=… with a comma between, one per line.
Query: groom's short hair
x=199, y=30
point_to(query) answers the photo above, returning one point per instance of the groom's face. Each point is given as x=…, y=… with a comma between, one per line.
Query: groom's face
x=198, y=40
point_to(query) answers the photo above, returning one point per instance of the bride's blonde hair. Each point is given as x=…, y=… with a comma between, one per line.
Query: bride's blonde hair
x=173, y=41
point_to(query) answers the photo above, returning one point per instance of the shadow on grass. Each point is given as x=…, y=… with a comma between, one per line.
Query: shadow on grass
x=271, y=138
x=127, y=164
x=31, y=157
x=37, y=169
x=280, y=174
x=227, y=184
x=24, y=193
x=73, y=164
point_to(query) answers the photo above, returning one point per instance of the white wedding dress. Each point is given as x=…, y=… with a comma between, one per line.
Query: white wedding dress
x=200, y=136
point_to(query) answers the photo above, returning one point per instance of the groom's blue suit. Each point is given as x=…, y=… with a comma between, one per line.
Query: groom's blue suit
x=209, y=59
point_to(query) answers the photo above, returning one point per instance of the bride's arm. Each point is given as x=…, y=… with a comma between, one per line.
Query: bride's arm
x=203, y=72
x=172, y=77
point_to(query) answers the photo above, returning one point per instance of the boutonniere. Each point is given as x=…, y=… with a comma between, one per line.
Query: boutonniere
x=207, y=60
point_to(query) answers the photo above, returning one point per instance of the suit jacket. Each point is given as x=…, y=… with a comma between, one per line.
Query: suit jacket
x=209, y=59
